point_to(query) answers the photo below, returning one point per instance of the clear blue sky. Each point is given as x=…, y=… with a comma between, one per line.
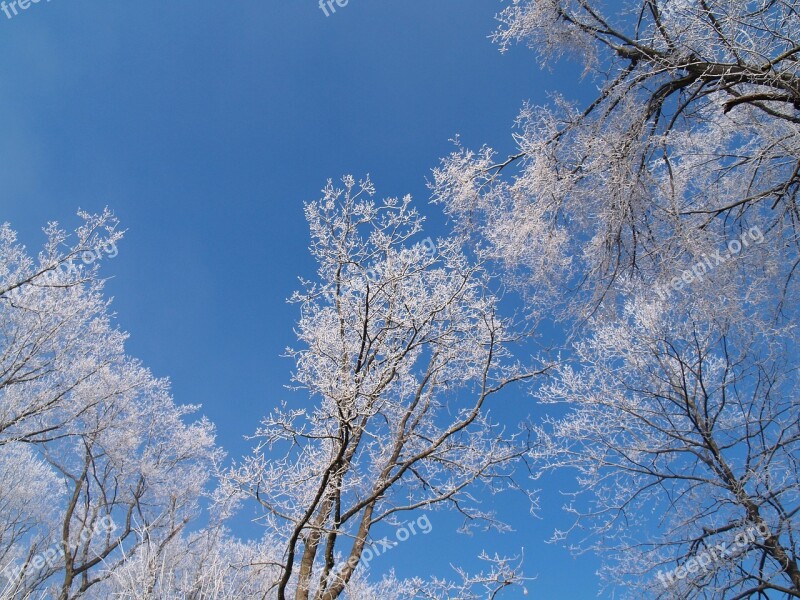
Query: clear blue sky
x=204, y=126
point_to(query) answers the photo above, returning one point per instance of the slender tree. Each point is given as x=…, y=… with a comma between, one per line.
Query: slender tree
x=402, y=350
x=682, y=423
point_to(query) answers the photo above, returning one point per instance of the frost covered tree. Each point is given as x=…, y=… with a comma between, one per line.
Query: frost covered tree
x=657, y=225
x=692, y=139
x=401, y=352
x=97, y=461
x=682, y=423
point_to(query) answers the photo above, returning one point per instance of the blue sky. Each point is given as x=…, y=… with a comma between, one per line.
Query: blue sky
x=205, y=126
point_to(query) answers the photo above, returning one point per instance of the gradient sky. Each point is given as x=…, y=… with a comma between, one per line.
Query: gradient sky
x=204, y=126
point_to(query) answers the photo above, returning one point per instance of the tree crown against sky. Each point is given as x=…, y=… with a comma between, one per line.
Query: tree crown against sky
x=97, y=459
x=402, y=352
x=691, y=141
